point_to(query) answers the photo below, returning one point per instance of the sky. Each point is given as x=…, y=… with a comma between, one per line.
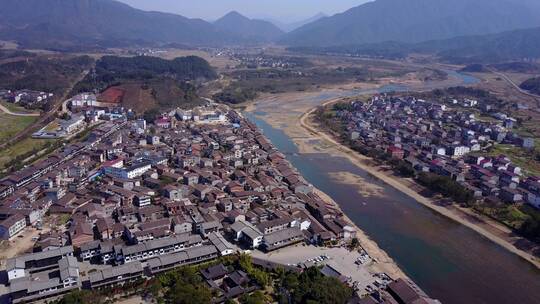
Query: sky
x=282, y=10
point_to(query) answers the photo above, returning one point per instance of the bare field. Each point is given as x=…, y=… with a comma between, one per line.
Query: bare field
x=11, y=125
x=220, y=62
x=8, y=45
x=137, y=98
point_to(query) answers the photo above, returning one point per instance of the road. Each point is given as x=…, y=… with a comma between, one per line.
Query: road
x=72, y=155
x=47, y=117
x=8, y=111
x=512, y=83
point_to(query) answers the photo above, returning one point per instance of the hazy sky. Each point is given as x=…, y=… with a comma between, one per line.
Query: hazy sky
x=283, y=10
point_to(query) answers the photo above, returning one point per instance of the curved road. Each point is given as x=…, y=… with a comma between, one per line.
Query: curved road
x=8, y=111
x=512, y=83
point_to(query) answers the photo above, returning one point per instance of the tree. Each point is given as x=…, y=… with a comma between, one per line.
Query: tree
x=314, y=287
x=531, y=227
x=405, y=169
x=446, y=186
x=81, y=297
x=291, y=281
x=355, y=243
x=255, y=298
x=183, y=293
x=151, y=115
x=262, y=278
x=154, y=287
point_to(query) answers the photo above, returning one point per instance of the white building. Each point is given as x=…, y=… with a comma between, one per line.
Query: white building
x=130, y=172
x=459, y=150
x=72, y=125
x=244, y=231
x=224, y=247
x=533, y=199
x=83, y=100
x=440, y=151
x=12, y=226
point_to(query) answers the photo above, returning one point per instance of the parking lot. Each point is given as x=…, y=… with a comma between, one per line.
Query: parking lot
x=341, y=259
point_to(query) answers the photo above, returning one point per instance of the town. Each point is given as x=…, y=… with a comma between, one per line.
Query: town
x=439, y=138
x=26, y=98
x=136, y=199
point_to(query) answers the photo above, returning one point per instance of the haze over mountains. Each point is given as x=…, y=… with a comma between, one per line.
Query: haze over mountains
x=416, y=21
x=252, y=30
x=289, y=27
x=104, y=22
x=466, y=28
x=506, y=46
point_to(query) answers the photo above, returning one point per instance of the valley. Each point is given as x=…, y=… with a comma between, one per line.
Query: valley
x=238, y=152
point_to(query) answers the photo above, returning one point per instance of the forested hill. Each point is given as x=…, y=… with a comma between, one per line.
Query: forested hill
x=514, y=45
x=413, y=21
x=65, y=24
x=112, y=71
x=506, y=46
x=182, y=68
x=532, y=85
x=248, y=29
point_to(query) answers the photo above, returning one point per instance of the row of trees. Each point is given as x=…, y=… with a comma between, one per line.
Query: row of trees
x=446, y=186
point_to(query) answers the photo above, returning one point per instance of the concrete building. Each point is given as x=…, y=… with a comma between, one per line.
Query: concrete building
x=245, y=232
x=12, y=226
x=117, y=275
x=282, y=238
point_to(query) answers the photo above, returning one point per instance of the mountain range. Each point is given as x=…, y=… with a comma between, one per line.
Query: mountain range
x=291, y=26
x=61, y=24
x=415, y=21
x=458, y=29
x=523, y=44
x=516, y=45
x=50, y=23
x=251, y=30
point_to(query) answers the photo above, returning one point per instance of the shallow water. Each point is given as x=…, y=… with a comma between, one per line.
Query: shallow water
x=449, y=261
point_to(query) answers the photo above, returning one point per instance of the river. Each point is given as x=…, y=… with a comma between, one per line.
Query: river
x=449, y=261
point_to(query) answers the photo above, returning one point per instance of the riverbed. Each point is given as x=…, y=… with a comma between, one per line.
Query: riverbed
x=449, y=261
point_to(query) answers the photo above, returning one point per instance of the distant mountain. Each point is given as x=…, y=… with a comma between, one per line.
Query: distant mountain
x=415, y=21
x=289, y=27
x=251, y=30
x=506, y=46
x=517, y=45
x=71, y=23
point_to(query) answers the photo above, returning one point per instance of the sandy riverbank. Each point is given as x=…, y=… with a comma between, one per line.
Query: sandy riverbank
x=382, y=261
x=493, y=231
x=291, y=104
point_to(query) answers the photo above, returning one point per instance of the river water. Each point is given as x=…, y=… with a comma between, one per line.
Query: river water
x=449, y=261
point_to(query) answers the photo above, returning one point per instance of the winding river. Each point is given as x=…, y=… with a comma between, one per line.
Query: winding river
x=449, y=261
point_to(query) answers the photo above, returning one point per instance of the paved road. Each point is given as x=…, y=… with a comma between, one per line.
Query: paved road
x=512, y=83
x=46, y=117
x=8, y=111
